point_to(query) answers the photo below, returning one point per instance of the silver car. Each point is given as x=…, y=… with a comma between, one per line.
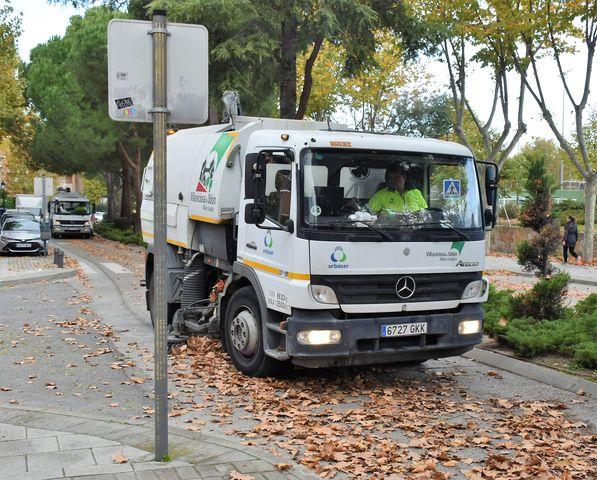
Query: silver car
x=21, y=235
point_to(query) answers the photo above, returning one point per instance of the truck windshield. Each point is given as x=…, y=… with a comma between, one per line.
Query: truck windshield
x=72, y=208
x=387, y=192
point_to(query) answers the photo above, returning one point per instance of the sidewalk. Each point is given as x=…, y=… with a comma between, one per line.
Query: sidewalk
x=38, y=445
x=581, y=274
x=20, y=269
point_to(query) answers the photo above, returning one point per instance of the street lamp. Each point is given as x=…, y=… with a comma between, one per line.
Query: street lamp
x=3, y=188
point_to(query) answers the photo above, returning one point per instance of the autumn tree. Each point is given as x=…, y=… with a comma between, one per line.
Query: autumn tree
x=12, y=101
x=67, y=85
x=551, y=28
x=473, y=35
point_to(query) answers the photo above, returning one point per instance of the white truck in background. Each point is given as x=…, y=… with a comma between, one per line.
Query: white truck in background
x=71, y=214
x=274, y=246
x=30, y=203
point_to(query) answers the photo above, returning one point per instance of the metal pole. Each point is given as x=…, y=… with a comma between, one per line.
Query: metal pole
x=43, y=198
x=43, y=207
x=160, y=118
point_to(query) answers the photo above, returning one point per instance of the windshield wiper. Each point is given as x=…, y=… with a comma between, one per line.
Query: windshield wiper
x=444, y=224
x=361, y=222
x=448, y=224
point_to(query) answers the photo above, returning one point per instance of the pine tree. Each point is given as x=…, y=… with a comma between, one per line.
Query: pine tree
x=537, y=214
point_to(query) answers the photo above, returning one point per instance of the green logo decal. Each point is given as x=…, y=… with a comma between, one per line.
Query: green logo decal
x=210, y=164
x=457, y=246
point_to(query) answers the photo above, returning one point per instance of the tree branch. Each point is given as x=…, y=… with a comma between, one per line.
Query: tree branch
x=308, y=78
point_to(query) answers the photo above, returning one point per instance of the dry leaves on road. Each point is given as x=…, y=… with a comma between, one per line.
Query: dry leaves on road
x=373, y=423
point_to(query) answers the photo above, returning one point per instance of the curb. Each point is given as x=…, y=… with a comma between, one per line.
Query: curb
x=533, y=371
x=24, y=278
x=201, y=448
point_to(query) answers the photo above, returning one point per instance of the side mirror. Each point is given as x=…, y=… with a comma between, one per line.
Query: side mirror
x=289, y=226
x=491, y=184
x=491, y=191
x=489, y=217
x=254, y=214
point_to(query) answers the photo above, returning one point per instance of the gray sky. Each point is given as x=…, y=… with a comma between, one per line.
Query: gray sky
x=42, y=21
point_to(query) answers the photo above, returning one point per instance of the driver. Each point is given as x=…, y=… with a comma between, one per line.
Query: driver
x=396, y=197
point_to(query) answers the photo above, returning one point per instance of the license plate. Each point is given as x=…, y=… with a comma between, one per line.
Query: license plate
x=403, y=329
x=23, y=245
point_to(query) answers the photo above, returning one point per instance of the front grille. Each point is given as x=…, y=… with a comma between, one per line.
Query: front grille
x=368, y=289
x=72, y=222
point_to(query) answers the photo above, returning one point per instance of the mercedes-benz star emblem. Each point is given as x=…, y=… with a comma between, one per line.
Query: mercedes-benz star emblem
x=405, y=287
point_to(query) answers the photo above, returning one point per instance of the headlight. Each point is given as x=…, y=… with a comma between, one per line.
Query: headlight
x=56, y=222
x=318, y=337
x=323, y=294
x=473, y=289
x=87, y=224
x=469, y=327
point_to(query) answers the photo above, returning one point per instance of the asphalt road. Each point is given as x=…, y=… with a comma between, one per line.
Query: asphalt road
x=208, y=395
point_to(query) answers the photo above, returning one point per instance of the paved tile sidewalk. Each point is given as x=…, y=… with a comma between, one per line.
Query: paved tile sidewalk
x=40, y=445
x=579, y=273
x=27, y=268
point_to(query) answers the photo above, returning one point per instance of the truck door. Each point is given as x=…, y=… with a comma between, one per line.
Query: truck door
x=268, y=248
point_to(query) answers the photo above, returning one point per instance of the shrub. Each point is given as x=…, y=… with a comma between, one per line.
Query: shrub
x=544, y=301
x=574, y=334
x=110, y=231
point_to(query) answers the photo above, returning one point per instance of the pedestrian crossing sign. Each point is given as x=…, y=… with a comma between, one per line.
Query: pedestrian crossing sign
x=452, y=188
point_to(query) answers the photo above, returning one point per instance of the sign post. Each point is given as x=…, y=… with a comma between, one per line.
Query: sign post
x=157, y=72
x=160, y=112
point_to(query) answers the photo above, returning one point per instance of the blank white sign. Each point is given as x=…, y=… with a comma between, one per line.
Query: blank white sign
x=130, y=72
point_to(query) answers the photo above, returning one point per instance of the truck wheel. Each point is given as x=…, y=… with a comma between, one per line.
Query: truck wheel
x=172, y=307
x=244, y=337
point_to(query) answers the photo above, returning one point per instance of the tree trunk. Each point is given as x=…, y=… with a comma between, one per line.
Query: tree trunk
x=112, y=187
x=590, y=197
x=288, y=69
x=125, y=204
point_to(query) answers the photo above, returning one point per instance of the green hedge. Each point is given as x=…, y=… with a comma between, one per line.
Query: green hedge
x=568, y=208
x=112, y=232
x=574, y=334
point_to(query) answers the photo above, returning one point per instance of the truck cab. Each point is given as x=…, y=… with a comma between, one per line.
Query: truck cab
x=71, y=213
x=322, y=247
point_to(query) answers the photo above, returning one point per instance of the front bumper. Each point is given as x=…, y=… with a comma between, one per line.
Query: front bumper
x=37, y=246
x=361, y=343
x=75, y=230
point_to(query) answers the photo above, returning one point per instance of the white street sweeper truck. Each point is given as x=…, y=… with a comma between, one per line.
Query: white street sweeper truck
x=298, y=242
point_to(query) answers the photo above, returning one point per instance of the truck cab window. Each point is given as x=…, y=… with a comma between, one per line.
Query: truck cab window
x=278, y=187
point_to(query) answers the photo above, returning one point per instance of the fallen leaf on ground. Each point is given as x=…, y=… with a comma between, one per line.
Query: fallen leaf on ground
x=234, y=475
x=119, y=458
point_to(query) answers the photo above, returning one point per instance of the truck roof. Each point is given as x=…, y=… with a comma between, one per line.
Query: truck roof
x=71, y=196
x=363, y=140
x=267, y=131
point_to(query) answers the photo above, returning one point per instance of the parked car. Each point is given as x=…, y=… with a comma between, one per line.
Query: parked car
x=21, y=235
x=12, y=213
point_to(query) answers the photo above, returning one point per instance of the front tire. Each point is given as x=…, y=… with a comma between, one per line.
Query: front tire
x=244, y=336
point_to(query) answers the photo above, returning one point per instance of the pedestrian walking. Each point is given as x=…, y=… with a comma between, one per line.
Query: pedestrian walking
x=570, y=238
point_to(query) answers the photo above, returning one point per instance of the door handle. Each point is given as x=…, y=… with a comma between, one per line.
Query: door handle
x=251, y=245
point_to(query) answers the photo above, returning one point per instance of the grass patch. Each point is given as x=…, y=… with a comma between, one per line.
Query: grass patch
x=573, y=334
x=110, y=231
